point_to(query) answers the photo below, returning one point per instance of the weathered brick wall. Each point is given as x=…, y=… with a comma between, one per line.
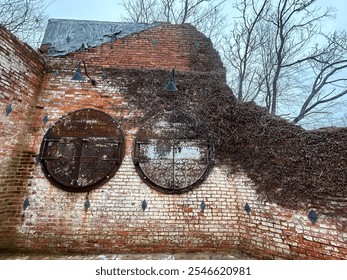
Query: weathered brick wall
x=164, y=47
x=56, y=220
x=21, y=71
x=273, y=232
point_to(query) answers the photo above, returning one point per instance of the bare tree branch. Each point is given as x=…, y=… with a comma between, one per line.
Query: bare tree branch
x=206, y=15
x=322, y=81
x=244, y=36
x=290, y=71
x=24, y=18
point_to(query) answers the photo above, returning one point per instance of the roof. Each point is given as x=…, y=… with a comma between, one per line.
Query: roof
x=64, y=35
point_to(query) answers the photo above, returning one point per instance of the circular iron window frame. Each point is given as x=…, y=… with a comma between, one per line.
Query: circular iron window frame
x=144, y=137
x=76, y=144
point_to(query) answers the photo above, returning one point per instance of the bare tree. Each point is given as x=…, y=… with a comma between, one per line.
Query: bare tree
x=330, y=82
x=275, y=49
x=206, y=15
x=240, y=48
x=24, y=18
x=140, y=10
x=211, y=21
x=296, y=22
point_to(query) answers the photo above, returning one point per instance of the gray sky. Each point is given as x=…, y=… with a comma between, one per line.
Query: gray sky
x=106, y=10
x=110, y=10
x=341, y=8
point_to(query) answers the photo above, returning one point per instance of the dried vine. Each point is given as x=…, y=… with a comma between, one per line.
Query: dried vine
x=290, y=166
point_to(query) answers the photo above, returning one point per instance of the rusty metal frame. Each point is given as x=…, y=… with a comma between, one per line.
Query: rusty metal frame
x=70, y=162
x=165, y=189
x=159, y=139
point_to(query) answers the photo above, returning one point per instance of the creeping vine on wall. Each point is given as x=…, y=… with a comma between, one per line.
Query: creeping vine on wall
x=289, y=165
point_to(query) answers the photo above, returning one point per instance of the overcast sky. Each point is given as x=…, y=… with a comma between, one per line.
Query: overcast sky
x=110, y=10
x=106, y=10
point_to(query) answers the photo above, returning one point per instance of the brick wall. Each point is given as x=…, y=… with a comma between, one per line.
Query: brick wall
x=56, y=220
x=164, y=47
x=273, y=232
x=21, y=71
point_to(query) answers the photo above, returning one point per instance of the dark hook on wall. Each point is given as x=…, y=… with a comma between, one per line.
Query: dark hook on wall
x=45, y=119
x=8, y=109
x=313, y=217
x=78, y=75
x=26, y=204
x=144, y=205
x=202, y=206
x=247, y=208
x=86, y=204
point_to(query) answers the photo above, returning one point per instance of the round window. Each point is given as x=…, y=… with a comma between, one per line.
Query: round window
x=172, y=154
x=82, y=150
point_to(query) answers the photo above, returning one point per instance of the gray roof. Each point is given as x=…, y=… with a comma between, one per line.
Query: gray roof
x=64, y=36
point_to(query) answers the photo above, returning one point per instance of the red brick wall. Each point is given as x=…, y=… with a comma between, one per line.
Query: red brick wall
x=21, y=71
x=56, y=221
x=273, y=232
x=164, y=47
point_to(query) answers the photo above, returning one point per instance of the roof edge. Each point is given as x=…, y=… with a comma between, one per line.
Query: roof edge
x=64, y=36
